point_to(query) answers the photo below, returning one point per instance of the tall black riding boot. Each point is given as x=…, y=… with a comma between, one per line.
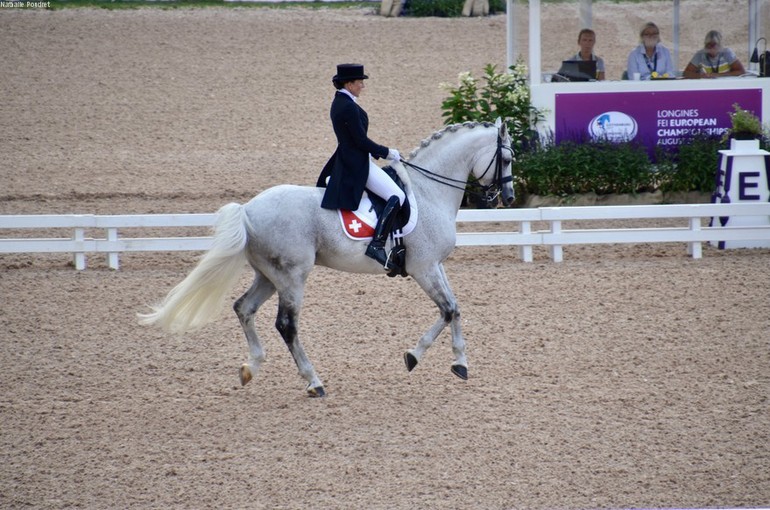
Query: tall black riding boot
x=385, y=222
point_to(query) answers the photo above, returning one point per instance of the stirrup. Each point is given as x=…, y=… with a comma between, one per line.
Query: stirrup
x=391, y=262
x=397, y=262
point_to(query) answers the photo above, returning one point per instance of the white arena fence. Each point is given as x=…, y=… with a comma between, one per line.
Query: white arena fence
x=693, y=232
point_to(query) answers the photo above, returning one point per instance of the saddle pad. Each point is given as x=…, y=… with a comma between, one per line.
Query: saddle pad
x=359, y=224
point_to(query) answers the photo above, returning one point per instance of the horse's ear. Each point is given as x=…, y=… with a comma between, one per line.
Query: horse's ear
x=502, y=127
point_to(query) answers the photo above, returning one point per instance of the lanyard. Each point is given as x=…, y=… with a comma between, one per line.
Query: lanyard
x=714, y=69
x=654, y=62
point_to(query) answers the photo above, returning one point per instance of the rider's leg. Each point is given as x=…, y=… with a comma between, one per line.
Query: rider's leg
x=381, y=184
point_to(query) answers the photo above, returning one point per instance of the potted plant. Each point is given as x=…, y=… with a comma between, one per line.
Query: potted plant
x=745, y=126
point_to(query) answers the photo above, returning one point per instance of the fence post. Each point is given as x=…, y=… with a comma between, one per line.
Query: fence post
x=525, y=252
x=695, y=248
x=112, y=257
x=80, y=256
x=557, y=254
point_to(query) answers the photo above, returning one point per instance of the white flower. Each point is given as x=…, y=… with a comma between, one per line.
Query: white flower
x=520, y=69
x=518, y=95
x=465, y=78
x=505, y=79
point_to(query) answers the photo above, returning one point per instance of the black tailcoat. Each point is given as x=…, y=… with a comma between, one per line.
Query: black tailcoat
x=349, y=165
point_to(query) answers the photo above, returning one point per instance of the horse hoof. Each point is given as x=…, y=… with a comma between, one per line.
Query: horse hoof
x=316, y=392
x=410, y=361
x=460, y=371
x=245, y=374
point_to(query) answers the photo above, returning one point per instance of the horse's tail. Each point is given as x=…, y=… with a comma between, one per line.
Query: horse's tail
x=198, y=299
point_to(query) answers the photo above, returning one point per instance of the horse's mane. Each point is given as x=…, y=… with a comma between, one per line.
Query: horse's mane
x=452, y=128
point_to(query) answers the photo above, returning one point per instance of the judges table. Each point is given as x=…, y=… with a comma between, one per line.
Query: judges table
x=657, y=113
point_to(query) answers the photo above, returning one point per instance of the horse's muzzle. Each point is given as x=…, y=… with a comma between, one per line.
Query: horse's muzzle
x=508, y=196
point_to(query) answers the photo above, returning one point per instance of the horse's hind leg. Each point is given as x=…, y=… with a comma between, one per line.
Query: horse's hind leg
x=436, y=285
x=287, y=323
x=246, y=307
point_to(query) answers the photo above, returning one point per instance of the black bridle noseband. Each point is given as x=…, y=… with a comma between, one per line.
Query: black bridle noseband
x=489, y=192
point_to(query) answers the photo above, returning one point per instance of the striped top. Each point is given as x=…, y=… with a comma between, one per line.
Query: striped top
x=719, y=64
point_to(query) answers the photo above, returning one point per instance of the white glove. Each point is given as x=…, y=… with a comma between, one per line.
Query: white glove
x=393, y=155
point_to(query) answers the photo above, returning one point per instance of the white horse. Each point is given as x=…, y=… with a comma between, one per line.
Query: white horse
x=283, y=232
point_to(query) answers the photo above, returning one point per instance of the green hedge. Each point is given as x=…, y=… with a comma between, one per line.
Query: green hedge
x=571, y=168
x=606, y=167
x=438, y=8
x=692, y=167
x=445, y=8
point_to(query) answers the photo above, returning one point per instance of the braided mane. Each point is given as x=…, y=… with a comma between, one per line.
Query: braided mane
x=452, y=128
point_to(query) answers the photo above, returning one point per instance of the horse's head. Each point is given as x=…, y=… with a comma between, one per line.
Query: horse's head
x=492, y=168
x=481, y=150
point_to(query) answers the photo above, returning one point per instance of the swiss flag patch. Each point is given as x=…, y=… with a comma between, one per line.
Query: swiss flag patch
x=354, y=226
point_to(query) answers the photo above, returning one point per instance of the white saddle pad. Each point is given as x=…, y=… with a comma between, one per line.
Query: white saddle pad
x=359, y=224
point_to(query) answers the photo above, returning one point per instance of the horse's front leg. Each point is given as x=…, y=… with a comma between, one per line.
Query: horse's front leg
x=460, y=365
x=436, y=285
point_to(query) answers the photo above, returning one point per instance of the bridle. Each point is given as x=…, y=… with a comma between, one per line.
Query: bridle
x=489, y=192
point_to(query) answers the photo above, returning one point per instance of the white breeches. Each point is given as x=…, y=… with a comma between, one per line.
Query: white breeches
x=382, y=185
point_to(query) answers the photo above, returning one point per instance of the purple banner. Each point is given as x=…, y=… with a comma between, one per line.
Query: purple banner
x=661, y=118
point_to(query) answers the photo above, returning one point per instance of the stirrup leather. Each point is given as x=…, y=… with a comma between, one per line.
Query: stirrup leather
x=397, y=259
x=392, y=261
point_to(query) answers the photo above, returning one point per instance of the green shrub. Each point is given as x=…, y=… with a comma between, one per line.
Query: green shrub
x=606, y=167
x=692, y=167
x=438, y=8
x=445, y=8
x=504, y=95
x=496, y=6
x=569, y=168
x=744, y=124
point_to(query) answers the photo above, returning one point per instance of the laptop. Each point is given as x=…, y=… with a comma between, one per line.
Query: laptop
x=577, y=70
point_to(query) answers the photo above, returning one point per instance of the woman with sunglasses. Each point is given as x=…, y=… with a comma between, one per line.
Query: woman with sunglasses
x=713, y=61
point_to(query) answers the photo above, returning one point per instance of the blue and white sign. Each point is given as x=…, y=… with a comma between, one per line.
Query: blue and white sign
x=613, y=126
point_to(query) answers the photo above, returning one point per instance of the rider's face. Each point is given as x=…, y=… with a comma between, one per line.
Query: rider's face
x=355, y=87
x=586, y=43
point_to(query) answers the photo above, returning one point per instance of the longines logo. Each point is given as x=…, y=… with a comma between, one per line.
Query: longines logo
x=614, y=126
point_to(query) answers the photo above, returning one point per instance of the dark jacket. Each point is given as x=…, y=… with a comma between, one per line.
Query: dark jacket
x=349, y=165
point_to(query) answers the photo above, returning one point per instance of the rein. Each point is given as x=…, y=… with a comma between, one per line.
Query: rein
x=479, y=191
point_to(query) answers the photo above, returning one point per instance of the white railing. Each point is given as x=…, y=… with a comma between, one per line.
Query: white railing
x=555, y=237
x=692, y=232
x=78, y=244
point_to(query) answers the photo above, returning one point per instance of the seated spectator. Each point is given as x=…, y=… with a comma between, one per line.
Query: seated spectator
x=713, y=60
x=586, y=40
x=650, y=59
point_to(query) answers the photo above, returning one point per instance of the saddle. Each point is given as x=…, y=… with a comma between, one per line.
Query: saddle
x=359, y=225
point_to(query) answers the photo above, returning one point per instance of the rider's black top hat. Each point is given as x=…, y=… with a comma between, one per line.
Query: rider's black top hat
x=350, y=72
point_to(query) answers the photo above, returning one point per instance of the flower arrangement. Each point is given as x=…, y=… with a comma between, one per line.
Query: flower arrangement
x=745, y=125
